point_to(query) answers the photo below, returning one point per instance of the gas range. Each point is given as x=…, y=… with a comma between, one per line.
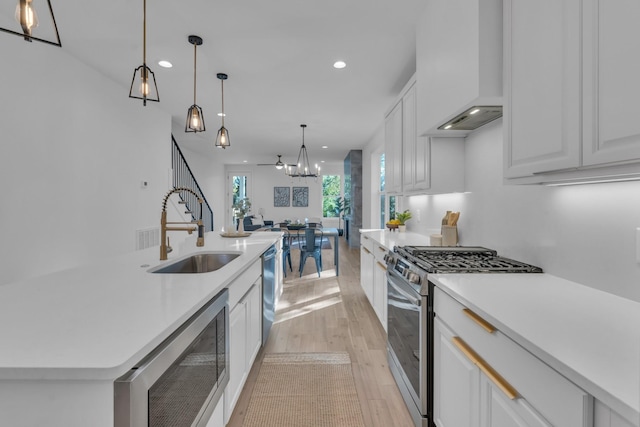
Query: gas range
x=413, y=263
x=462, y=259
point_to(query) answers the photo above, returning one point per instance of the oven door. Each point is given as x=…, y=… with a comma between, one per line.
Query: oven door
x=179, y=383
x=407, y=337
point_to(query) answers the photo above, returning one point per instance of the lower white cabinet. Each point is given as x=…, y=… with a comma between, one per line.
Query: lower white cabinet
x=484, y=379
x=606, y=417
x=380, y=291
x=373, y=277
x=217, y=417
x=245, y=339
x=366, y=272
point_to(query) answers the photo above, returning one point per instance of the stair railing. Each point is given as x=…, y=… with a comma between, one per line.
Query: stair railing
x=183, y=177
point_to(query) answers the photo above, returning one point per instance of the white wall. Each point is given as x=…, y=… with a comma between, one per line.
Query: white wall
x=265, y=178
x=74, y=151
x=584, y=233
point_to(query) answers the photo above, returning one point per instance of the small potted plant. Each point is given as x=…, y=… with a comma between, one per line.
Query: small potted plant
x=240, y=210
x=403, y=217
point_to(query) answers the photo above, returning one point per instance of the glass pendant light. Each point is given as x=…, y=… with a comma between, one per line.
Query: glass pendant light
x=302, y=168
x=222, y=140
x=27, y=18
x=143, y=85
x=195, y=119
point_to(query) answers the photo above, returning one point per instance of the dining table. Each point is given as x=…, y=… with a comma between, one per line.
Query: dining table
x=326, y=232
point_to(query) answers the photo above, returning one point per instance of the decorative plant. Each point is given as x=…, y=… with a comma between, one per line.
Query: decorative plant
x=403, y=216
x=342, y=209
x=242, y=207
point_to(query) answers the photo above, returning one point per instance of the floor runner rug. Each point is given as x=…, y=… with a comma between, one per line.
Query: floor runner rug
x=304, y=390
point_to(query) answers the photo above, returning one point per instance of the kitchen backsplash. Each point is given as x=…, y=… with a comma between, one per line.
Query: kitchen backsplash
x=584, y=233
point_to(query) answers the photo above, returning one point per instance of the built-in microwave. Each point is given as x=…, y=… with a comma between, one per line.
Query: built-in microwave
x=180, y=382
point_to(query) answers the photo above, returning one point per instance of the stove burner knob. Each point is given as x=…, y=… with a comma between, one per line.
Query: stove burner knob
x=413, y=277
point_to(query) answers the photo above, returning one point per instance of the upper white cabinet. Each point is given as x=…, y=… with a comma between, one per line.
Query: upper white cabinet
x=570, y=87
x=425, y=165
x=458, y=61
x=611, y=84
x=542, y=86
x=393, y=150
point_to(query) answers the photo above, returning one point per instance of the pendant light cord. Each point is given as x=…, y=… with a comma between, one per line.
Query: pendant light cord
x=222, y=93
x=195, y=55
x=144, y=33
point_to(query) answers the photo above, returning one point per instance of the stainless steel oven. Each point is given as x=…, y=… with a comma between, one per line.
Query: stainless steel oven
x=410, y=337
x=179, y=383
x=410, y=313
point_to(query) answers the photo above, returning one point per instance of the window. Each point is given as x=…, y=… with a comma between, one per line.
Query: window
x=331, y=199
x=386, y=202
x=239, y=188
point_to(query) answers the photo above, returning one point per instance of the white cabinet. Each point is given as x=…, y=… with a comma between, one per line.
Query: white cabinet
x=393, y=150
x=482, y=378
x=458, y=60
x=409, y=138
x=373, y=276
x=611, y=85
x=570, y=87
x=380, y=292
x=542, y=86
x=419, y=164
x=245, y=339
x=606, y=417
x=366, y=272
x=455, y=383
x=217, y=417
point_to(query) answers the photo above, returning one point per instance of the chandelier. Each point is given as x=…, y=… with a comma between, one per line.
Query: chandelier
x=302, y=168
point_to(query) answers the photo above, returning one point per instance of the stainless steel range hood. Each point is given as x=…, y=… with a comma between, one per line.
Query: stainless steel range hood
x=473, y=118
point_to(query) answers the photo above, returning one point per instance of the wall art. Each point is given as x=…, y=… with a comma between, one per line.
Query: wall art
x=300, y=197
x=280, y=197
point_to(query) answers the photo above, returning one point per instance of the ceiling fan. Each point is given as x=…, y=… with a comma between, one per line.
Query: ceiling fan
x=279, y=165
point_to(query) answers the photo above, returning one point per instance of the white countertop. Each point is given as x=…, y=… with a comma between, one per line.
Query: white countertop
x=389, y=239
x=97, y=321
x=589, y=336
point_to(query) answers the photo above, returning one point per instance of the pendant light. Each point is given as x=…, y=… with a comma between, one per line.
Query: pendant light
x=222, y=140
x=302, y=169
x=146, y=88
x=27, y=18
x=195, y=119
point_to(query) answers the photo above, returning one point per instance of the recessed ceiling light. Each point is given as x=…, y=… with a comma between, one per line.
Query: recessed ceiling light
x=222, y=115
x=325, y=146
x=165, y=64
x=321, y=161
x=244, y=161
x=339, y=64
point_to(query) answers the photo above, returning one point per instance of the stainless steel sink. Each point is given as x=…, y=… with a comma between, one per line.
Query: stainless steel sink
x=197, y=263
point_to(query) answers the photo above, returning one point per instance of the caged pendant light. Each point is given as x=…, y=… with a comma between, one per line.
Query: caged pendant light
x=147, y=90
x=302, y=169
x=27, y=19
x=195, y=119
x=222, y=139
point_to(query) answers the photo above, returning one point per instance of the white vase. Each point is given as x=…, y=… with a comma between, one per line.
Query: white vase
x=402, y=228
x=240, y=225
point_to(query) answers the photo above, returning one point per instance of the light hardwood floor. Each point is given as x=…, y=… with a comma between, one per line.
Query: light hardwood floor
x=333, y=314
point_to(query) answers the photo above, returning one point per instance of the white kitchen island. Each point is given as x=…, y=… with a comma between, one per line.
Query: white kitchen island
x=66, y=336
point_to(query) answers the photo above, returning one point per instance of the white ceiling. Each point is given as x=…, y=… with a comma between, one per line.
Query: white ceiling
x=278, y=55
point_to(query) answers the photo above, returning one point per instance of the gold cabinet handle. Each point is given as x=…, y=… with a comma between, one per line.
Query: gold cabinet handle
x=381, y=265
x=366, y=250
x=365, y=237
x=479, y=320
x=381, y=249
x=494, y=376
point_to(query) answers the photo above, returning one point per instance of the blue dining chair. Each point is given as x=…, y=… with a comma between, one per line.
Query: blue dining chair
x=311, y=247
x=286, y=249
x=286, y=252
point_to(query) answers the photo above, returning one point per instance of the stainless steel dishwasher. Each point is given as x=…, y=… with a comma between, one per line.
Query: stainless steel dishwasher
x=268, y=290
